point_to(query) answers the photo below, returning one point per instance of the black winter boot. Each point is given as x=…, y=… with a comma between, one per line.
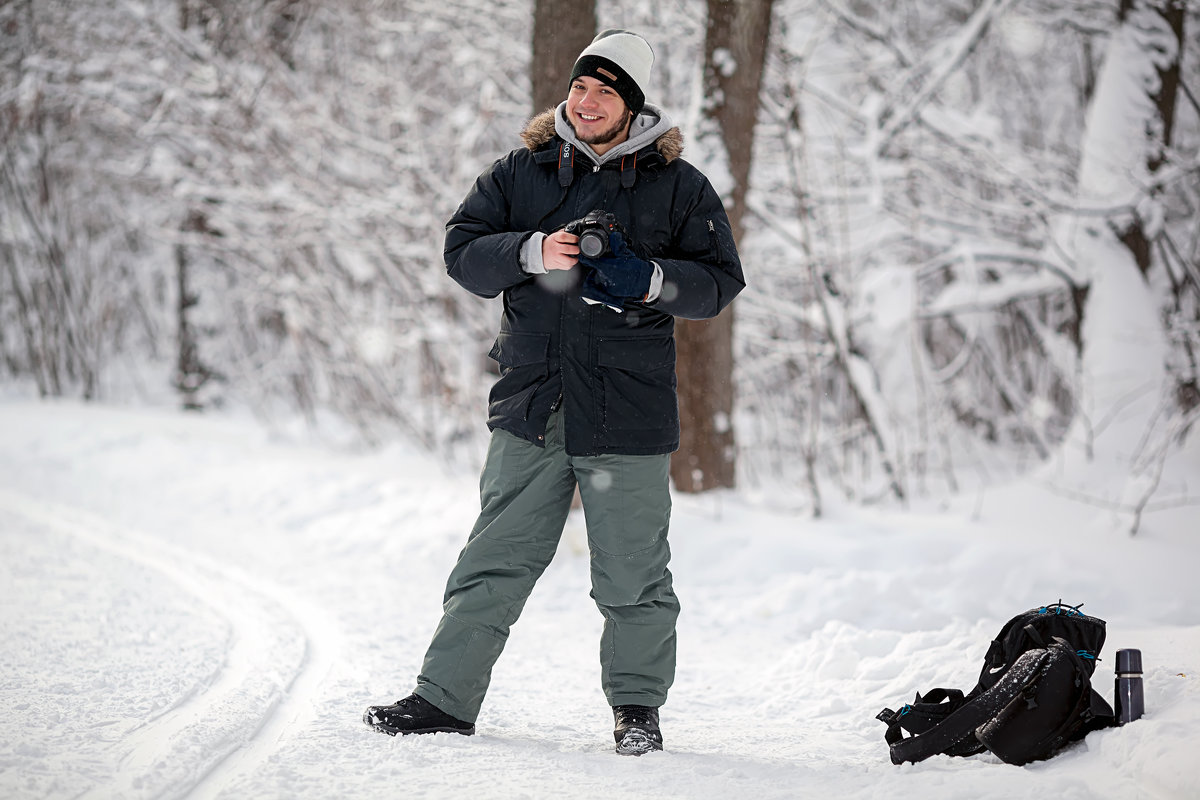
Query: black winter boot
x=414, y=714
x=636, y=730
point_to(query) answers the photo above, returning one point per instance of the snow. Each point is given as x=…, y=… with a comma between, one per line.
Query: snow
x=192, y=606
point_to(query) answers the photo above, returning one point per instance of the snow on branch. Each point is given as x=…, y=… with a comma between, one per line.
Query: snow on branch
x=869, y=29
x=933, y=72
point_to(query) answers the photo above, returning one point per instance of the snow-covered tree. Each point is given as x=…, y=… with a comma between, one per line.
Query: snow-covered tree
x=928, y=211
x=1137, y=392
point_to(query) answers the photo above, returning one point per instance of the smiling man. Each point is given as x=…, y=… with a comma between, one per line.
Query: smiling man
x=597, y=113
x=586, y=393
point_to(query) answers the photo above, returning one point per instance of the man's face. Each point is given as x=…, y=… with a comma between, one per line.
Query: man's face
x=597, y=113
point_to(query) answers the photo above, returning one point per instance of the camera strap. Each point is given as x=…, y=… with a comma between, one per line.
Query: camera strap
x=566, y=164
x=628, y=170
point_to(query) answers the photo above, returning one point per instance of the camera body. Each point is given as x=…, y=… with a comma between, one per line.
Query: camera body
x=593, y=231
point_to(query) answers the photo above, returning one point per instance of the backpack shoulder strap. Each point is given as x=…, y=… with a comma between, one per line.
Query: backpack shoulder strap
x=1004, y=647
x=964, y=720
x=925, y=713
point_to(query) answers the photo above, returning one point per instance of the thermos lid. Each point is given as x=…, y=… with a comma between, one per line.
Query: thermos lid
x=1129, y=661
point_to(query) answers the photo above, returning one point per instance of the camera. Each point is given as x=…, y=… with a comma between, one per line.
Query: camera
x=593, y=231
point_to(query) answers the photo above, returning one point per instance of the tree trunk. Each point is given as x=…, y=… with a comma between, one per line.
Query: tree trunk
x=706, y=458
x=1124, y=345
x=190, y=372
x=735, y=48
x=1119, y=159
x=561, y=30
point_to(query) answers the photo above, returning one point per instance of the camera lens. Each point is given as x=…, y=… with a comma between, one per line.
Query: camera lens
x=592, y=243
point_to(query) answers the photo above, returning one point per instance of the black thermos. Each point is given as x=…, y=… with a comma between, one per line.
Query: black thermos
x=1129, y=700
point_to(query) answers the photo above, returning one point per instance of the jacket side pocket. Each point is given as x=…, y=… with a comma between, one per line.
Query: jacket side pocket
x=638, y=376
x=523, y=368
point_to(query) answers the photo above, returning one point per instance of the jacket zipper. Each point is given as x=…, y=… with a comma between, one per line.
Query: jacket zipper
x=714, y=243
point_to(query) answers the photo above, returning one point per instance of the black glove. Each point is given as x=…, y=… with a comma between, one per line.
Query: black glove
x=621, y=273
x=593, y=292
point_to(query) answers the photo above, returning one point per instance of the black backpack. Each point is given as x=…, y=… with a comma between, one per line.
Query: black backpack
x=1034, y=695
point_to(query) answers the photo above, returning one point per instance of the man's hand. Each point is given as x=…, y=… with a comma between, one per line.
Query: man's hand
x=560, y=250
x=622, y=273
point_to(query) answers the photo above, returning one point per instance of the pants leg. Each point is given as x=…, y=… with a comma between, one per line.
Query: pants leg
x=525, y=495
x=627, y=507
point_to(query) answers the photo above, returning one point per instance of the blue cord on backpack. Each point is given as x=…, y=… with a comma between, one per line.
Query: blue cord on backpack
x=1059, y=608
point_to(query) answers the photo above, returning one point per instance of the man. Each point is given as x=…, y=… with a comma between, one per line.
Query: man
x=586, y=394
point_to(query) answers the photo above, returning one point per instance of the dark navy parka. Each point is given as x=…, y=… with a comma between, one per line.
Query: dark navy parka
x=613, y=373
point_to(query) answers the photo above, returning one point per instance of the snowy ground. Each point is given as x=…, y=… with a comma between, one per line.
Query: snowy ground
x=188, y=608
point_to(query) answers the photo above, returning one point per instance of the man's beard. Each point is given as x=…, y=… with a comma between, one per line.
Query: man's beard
x=607, y=135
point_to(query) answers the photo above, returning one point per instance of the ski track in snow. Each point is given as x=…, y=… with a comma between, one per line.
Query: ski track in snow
x=261, y=617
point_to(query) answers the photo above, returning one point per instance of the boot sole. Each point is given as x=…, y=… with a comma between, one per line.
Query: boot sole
x=393, y=731
x=637, y=743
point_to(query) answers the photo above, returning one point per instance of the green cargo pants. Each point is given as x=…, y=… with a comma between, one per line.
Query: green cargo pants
x=525, y=494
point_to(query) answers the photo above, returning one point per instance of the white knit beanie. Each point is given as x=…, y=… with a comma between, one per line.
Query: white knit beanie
x=620, y=59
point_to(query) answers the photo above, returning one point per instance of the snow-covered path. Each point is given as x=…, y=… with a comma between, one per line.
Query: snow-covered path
x=190, y=609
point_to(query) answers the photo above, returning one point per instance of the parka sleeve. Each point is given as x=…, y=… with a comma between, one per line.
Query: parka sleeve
x=482, y=253
x=704, y=273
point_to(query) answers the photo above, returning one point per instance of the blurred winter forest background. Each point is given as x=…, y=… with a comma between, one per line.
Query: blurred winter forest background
x=970, y=228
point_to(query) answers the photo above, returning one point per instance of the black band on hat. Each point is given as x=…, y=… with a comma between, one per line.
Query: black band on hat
x=607, y=72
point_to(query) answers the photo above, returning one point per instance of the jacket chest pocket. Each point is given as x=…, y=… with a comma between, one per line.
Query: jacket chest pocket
x=637, y=377
x=523, y=368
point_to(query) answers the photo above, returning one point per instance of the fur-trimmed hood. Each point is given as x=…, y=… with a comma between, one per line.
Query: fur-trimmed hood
x=541, y=129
